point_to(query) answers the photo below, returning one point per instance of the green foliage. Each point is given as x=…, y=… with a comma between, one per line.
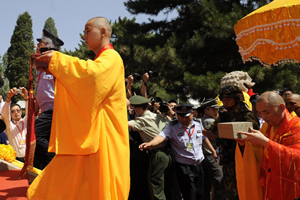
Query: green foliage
x=18, y=54
x=4, y=83
x=50, y=26
x=3, y=63
x=192, y=51
x=82, y=51
x=277, y=77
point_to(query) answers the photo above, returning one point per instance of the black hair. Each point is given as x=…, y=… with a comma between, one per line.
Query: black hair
x=284, y=90
x=14, y=104
x=172, y=101
x=143, y=106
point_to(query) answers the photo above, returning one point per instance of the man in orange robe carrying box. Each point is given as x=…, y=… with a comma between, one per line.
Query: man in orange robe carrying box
x=89, y=129
x=280, y=138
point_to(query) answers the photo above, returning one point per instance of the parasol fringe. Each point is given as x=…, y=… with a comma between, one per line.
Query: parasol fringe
x=268, y=65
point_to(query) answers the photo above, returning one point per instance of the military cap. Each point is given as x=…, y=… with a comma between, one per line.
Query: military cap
x=52, y=42
x=184, y=109
x=210, y=103
x=138, y=100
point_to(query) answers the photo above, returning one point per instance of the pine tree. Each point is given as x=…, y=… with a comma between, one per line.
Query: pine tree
x=197, y=46
x=18, y=54
x=82, y=51
x=50, y=26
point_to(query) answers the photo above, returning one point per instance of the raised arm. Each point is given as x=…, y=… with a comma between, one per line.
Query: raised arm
x=144, y=85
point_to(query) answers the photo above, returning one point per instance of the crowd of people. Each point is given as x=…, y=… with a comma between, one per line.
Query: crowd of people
x=223, y=168
x=175, y=149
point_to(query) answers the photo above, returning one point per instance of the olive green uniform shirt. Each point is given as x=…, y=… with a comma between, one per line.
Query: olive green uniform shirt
x=149, y=125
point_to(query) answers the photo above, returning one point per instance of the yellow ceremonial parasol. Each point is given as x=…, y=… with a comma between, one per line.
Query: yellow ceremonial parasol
x=271, y=34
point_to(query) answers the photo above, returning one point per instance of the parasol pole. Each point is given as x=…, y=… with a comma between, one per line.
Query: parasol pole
x=30, y=137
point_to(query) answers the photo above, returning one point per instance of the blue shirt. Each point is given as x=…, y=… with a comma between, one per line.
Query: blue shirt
x=44, y=90
x=179, y=140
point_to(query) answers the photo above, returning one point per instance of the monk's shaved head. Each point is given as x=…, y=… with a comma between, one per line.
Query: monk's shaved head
x=271, y=108
x=295, y=97
x=102, y=22
x=292, y=102
x=273, y=98
x=97, y=33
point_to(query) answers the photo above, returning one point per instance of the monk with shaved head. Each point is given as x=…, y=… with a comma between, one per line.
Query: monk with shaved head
x=89, y=129
x=280, y=140
x=292, y=102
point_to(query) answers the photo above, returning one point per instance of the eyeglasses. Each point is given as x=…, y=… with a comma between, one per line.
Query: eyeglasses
x=17, y=111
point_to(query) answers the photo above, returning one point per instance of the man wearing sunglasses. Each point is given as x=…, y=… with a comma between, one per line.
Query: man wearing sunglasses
x=186, y=139
x=16, y=126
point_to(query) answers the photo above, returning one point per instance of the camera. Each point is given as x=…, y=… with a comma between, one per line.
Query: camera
x=152, y=74
x=18, y=91
x=163, y=107
x=136, y=77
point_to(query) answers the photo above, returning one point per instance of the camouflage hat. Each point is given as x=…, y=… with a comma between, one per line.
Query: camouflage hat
x=231, y=91
x=138, y=100
x=184, y=109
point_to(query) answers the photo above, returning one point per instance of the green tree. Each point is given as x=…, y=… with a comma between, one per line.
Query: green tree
x=82, y=51
x=197, y=46
x=50, y=26
x=4, y=83
x=18, y=54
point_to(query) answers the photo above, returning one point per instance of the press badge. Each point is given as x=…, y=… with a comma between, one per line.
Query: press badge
x=22, y=143
x=189, y=147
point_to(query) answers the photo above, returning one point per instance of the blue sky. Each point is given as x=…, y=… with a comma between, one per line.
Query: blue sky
x=69, y=16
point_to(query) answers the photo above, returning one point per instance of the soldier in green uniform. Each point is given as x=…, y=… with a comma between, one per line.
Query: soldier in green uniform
x=149, y=125
x=236, y=110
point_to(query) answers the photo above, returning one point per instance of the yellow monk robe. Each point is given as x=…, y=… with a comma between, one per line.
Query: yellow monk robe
x=280, y=175
x=89, y=131
x=246, y=100
x=248, y=172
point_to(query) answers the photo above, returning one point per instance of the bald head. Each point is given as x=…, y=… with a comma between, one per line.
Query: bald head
x=271, y=108
x=295, y=97
x=102, y=22
x=97, y=33
x=272, y=98
x=292, y=102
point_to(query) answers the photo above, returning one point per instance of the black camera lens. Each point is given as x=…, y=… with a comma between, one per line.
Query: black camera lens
x=136, y=77
x=163, y=108
x=152, y=74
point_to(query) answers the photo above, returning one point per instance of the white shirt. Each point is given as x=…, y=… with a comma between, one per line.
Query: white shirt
x=1, y=105
x=16, y=131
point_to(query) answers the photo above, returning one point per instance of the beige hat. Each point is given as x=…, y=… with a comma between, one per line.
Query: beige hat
x=237, y=78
